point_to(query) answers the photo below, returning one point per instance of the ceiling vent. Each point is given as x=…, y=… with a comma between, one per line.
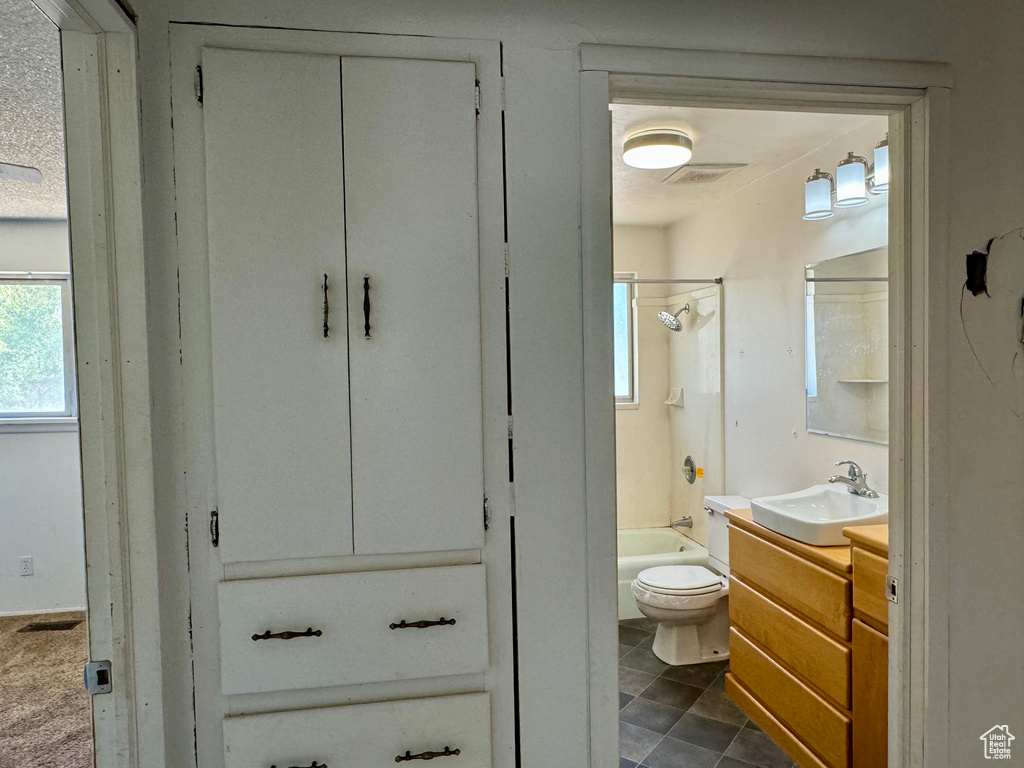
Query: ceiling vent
x=690, y=175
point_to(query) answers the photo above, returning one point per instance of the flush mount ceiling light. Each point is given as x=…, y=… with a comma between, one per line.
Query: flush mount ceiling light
x=662, y=148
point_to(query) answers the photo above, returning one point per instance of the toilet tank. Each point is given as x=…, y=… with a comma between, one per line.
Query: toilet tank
x=718, y=528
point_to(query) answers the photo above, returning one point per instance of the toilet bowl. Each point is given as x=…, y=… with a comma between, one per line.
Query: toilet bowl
x=691, y=602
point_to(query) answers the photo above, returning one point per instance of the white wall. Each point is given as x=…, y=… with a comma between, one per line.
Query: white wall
x=41, y=516
x=642, y=433
x=758, y=241
x=982, y=455
x=40, y=472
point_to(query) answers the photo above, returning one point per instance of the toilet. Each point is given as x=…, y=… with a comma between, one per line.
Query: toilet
x=691, y=602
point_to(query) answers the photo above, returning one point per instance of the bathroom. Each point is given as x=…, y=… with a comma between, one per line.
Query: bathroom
x=751, y=356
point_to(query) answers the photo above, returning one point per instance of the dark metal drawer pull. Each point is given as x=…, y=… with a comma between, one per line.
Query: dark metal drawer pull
x=327, y=310
x=314, y=765
x=366, y=306
x=403, y=624
x=427, y=755
x=310, y=632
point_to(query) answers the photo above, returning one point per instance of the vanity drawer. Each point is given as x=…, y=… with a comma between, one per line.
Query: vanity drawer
x=820, y=725
x=771, y=724
x=869, y=590
x=821, y=596
x=364, y=735
x=354, y=613
x=805, y=650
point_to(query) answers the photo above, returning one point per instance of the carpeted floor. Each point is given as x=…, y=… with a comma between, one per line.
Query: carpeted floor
x=45, y=718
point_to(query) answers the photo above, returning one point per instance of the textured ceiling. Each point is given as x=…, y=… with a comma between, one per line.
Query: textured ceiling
x=764, y=141
x=31, y=112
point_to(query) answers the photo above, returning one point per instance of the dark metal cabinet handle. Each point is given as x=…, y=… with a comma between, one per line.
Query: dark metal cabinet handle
x=315, y=764
x=327, y=309
x=403, y=624
x=310, y=632
x=366, y=306
x=427, y=755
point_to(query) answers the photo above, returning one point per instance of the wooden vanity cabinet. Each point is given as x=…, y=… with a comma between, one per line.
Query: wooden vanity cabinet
x=809, y=646
x=870, y=556
x=791, y=606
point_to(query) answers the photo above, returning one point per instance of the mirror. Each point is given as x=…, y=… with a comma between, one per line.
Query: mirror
x=847, y=347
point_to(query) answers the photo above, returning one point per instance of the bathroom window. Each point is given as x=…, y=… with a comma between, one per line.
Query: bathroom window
x=37, y=377
x=625, y=340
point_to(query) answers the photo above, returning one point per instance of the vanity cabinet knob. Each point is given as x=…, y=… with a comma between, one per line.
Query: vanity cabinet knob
x=427, y=755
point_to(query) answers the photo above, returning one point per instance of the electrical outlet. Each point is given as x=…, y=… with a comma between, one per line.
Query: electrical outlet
x=27, y=569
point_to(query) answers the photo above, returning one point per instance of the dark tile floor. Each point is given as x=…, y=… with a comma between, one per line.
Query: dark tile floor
x=680, y=717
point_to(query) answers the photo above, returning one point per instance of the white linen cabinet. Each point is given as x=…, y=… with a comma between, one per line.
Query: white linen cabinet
x=344, y=294
x=328, y=211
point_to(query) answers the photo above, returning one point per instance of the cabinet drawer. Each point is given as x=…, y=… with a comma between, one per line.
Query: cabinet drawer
x=365, y=735
x=354, y=613
x=770, y=724
x=805, y=650
x=869, y=591
x=821, y=596
x=820, y=725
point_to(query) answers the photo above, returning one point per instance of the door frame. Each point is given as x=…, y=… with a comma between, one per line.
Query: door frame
x=916, y=97
x=102, y=136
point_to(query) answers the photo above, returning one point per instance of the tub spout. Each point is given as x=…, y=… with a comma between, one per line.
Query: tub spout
x=683, y=522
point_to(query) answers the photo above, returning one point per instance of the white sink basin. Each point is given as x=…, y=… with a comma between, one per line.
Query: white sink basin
x=818, y=515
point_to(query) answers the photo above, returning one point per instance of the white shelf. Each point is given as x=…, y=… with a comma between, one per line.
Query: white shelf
x=863, y=381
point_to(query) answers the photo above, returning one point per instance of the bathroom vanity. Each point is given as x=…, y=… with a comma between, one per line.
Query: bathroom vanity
x=803, y=665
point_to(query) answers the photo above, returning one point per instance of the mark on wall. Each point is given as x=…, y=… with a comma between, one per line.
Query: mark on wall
x=994, y=326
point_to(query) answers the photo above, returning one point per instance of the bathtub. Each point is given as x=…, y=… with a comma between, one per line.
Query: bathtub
x=645, y=548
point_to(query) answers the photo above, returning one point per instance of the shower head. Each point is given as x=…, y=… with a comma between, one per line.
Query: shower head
x=672, y=321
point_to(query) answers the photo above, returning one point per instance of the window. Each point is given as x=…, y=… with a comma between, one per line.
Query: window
x=37, y=379
x=625, y=348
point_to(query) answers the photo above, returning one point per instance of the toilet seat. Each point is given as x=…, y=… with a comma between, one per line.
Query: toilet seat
x=680, y=580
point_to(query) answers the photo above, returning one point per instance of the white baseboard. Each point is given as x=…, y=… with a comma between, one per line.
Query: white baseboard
x=40, y=611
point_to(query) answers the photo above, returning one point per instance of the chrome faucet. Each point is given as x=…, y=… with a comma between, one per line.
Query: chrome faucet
x=855, y=481
x=683, y=522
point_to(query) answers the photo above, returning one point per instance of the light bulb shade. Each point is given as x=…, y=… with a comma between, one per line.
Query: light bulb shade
x=657, y=149
x=851, y=182
x=818, y=196
x=882, y=166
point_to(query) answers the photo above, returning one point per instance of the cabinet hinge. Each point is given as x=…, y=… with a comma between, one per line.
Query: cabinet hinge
x=506, y=260
x=477, y=98
x=96, y=676
x=510, y=426
x=892, y=591
x=199, y=84
x=215, y=528
x=487, y=515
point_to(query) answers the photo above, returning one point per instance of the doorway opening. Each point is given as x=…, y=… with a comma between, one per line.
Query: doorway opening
x=45, y=716
x=751, y=342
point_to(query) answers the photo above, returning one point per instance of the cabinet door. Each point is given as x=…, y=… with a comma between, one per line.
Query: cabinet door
x=276, y=228
x=870, y=697
x=413, y=256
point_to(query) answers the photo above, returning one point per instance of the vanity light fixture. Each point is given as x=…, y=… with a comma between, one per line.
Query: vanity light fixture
x=659, y=148
x=882, y=166
x=853, y=181
x=818, y=195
